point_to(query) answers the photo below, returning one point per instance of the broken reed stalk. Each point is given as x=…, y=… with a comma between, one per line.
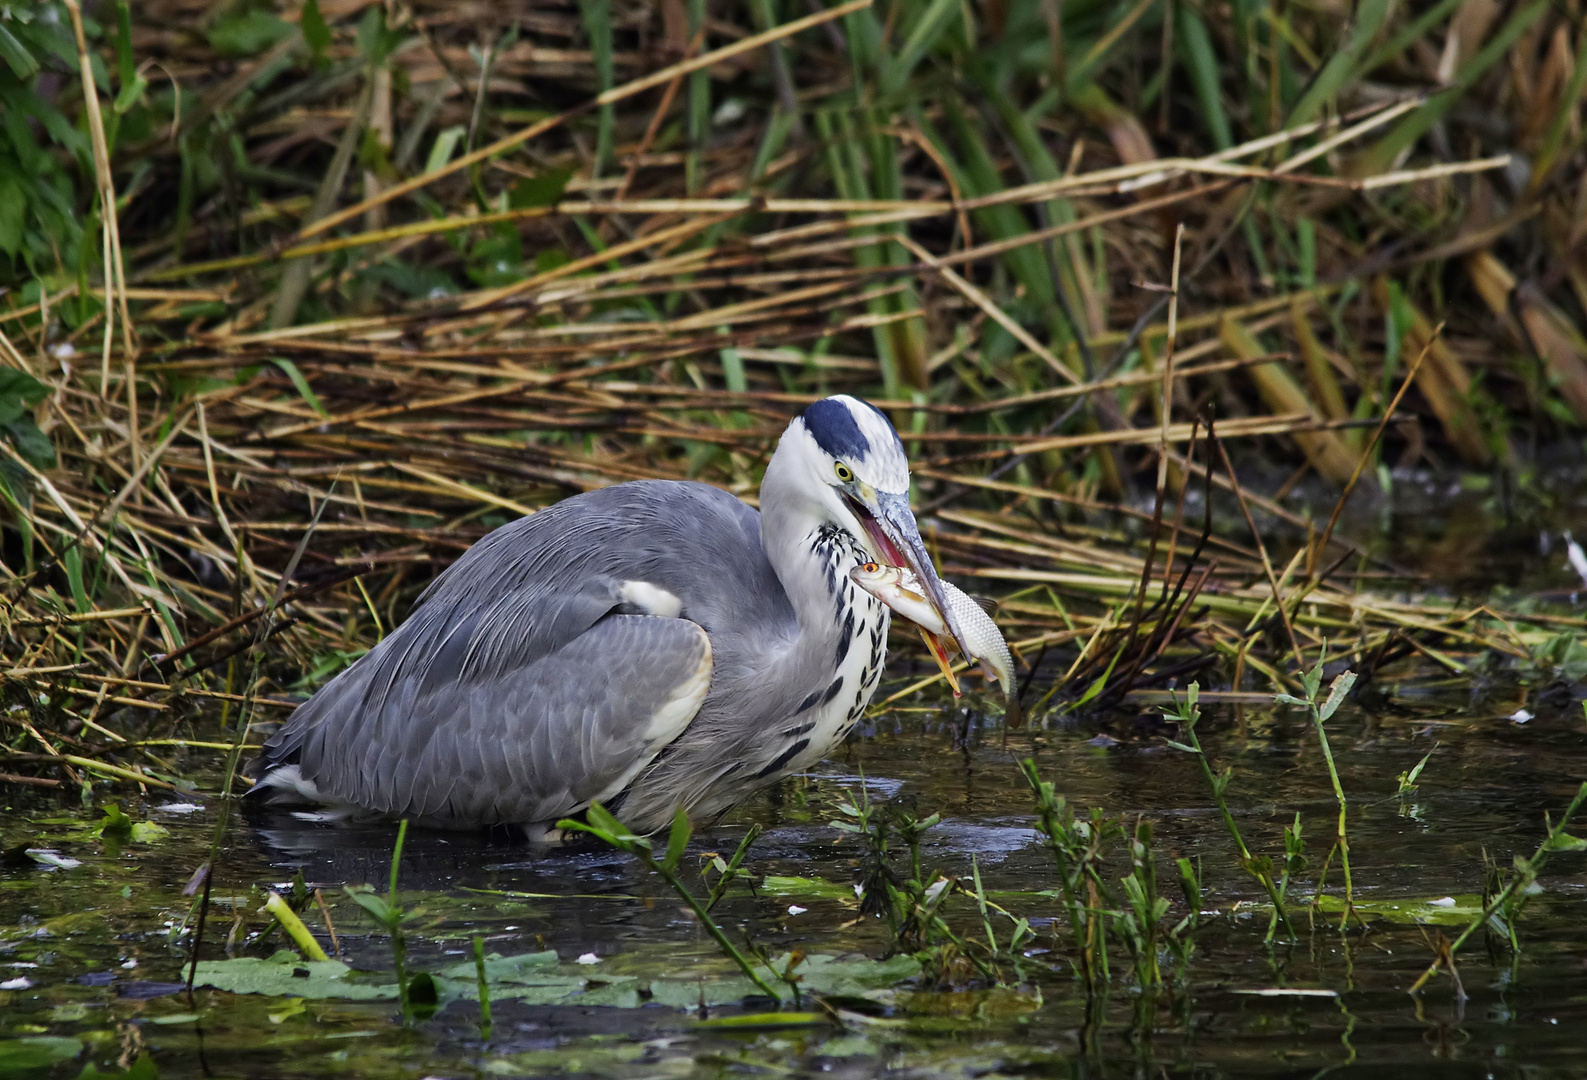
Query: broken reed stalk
x=115, y=270
x=1168, y=412
x=1256, y=536
x=1366, y=451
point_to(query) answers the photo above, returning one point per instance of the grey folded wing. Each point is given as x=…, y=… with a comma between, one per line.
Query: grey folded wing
x=492, y=728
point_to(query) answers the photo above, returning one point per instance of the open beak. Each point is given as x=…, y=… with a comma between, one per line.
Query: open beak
x=890, y=525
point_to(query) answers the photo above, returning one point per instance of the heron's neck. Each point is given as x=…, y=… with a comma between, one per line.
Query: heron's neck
x=810, y=557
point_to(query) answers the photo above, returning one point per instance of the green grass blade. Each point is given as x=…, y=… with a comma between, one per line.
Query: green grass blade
x=1420, y=121
x=1341, y=69
x=598, y=25
x=936, y=19
x=1201, y=62
x=301, y=383
x=699, y=114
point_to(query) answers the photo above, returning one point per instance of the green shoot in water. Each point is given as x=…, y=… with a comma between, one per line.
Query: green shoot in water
x=484, y=987
x=1503, y=907
x=601, y=824
x=388, y=913
x=1094, y=912
x=1321, y=709
x=1186, y=714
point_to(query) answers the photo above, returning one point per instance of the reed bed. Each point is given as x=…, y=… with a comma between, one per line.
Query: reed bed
x=377, y=278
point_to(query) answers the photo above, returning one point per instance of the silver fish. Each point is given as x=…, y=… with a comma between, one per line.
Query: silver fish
x=898, y=588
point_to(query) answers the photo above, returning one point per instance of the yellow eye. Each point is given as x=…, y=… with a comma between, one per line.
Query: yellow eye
x=845, y=473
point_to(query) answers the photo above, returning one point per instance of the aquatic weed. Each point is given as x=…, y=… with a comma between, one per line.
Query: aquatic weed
x=1138, y=922
x=389, y=914
x=1321, y=710
x=1186, y=714
x=1502, y=907
x=601, y=824
x=915, y=911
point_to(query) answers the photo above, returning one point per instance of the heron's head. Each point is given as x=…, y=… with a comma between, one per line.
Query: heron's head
x=847, y=458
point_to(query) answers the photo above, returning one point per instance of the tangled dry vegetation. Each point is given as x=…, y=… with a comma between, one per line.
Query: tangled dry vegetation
x=383, y=276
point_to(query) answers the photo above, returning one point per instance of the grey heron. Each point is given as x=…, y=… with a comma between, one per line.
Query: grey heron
x=653, y=645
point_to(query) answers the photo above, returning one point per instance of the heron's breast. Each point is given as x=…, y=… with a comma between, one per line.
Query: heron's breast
x=829, y=712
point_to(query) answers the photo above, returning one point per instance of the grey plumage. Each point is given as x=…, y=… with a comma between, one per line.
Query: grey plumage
x=639, y=645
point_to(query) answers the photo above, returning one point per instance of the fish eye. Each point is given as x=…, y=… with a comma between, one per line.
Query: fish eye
x=872, y=568
x=845, y=473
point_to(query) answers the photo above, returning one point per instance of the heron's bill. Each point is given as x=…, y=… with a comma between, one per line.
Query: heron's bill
x=940, y=655
x=892, y=528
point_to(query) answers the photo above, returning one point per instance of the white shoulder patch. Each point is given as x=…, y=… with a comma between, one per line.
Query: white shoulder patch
x=651, y=599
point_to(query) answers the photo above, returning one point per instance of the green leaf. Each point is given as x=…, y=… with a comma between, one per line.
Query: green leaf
x=677, y=840
x=72, y=562
x=19, y=392
x=315, y=32
x=441, y=150
x=819, y=974
x=301, y=383
x=34, y=446
x=543, y=189
x=16, y=55
x=287, y=974
x=1258, y=864
x=1313, y=681
x=776, y=885
x=126, y=62
x=130, y=95
x=600, y=817
x=13, y=217
x=1565, y=842
x=1439, y=911
x=145, y=832
x=764, y=1021
x=570, y=825
x=922, y=39
x=597, y=16
x=1182, y=746
x=366, y=898
x=114, y=823
x=376, y=41
x=1338, y=73
x=1195, y=45
x=248, y=34
x=35, y=1052
x=1336, y=694
x=530, y=969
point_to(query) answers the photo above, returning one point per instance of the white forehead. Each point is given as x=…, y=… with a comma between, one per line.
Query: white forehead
x=859, y=435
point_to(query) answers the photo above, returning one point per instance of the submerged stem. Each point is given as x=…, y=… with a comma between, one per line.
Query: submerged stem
x=1341, y=839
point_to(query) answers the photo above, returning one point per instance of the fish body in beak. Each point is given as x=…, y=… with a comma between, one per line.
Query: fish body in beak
x=900, y=590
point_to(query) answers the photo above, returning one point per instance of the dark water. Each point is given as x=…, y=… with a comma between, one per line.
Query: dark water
x=94, y=940
x=90, y=955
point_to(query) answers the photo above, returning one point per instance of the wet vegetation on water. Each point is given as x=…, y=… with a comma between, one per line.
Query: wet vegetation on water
x=1237, y=347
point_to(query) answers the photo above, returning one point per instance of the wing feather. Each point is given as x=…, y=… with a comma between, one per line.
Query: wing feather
x=529, y=743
